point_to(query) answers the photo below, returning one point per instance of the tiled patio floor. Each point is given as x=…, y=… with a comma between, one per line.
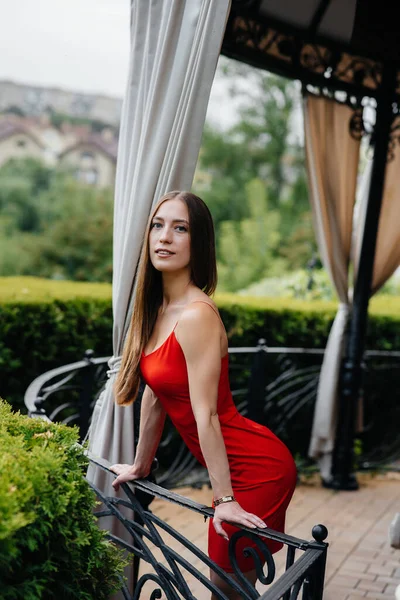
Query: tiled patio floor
x=361, y=564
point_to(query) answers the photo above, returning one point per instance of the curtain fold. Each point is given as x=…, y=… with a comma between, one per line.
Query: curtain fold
x=332, y=164
x=175, y=46
x=387, y=254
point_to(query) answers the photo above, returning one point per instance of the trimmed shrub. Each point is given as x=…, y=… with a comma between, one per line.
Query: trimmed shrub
x=45, y=324
x=50, y=544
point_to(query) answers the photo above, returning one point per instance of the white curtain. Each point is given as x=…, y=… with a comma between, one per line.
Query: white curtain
x=332, y=164
x=175, y=46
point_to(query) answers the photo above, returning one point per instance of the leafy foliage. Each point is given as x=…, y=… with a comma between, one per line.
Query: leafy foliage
x=272, y=214
x=43, y=332
x=53, y=226
x=59, y=119
x=36, y=289
x=311, y=285
x=252, y=176
x=21, y=181
x=45, y=324
x=247, y=246
x=50, y=544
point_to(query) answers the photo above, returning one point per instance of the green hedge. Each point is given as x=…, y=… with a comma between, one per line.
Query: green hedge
x=45, y=324
x=50, y=544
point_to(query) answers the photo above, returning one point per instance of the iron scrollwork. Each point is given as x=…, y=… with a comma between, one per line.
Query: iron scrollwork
x=328, y=68
x=275, y=386
x=265, y=578
x=168, y=568
x=267, y=44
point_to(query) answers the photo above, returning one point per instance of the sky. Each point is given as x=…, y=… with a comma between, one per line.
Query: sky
x=82, y=45
x=77, y=44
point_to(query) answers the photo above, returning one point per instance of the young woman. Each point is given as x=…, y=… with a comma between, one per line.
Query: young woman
x=178, y=344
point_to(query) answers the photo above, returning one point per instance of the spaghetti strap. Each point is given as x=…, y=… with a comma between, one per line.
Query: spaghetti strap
x=208, y=304
x=203, y=302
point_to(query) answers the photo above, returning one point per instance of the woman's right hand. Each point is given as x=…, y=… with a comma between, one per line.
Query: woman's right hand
x=126, y=473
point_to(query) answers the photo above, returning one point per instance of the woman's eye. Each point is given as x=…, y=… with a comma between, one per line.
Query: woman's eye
x=155, y=225
x=181, y=228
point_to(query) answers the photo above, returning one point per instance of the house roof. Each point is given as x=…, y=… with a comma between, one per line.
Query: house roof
x=11, y=127
x=97, y=143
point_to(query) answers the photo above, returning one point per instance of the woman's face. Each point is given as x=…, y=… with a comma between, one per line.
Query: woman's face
x=169, y=239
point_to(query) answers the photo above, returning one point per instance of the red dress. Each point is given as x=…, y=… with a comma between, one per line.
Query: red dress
x=263, y=472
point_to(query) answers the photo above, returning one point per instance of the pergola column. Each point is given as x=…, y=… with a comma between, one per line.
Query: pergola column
x=351, y=372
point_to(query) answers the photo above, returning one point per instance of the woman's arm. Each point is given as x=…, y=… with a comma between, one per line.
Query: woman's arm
x=199, y=334
x=152, y=419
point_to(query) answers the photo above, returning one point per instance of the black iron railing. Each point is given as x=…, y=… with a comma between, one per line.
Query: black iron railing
x=170, y=562
x=274, y=386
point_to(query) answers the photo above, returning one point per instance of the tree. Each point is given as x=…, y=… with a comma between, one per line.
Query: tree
x=264, y=145
x=265, y=124
x=263, y=142
x=247, y=247
x=52, y=225
x=78, y=243
x=229, y=168
x=21, y=181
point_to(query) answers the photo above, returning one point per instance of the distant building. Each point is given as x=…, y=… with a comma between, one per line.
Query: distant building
x=93, y=160
x=17, y=141
x=91, y=156
x=38, y=100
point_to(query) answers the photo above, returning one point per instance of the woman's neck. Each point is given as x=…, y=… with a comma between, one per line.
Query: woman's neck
x=176, y=288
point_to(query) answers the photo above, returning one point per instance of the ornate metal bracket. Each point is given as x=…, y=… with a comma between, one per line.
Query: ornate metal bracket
x=324, y=67
x=267, y=44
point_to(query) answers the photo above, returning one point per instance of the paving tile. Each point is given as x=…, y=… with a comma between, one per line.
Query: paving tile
x=376, y=596
x=355, y=566
x=371, y=586
x=366, y=576
x=349, y=581
x=365, y=553
x=393, y=563
x=390, y=580
x=381, y=570
x=339, y=593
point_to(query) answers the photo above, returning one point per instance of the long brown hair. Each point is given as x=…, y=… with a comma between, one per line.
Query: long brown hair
x=149, y=291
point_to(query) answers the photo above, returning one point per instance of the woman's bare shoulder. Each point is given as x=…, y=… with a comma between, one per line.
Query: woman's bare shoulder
x=198, y=330
x=197, y=310
x=197, y=314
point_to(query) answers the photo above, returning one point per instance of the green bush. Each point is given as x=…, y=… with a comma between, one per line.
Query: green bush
x=45, y=324
x=50, y=544
x=294, y=285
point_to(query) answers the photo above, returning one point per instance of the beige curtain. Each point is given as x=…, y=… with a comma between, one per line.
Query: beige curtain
x=332, y=164
x=175, y=46
x=387, y=255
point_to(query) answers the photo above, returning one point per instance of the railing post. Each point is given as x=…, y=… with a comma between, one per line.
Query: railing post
x=319, y=533
x=85, y=396
x=257, y=383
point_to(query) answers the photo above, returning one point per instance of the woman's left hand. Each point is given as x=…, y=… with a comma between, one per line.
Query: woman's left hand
x=125, y=473
x=234, y=513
